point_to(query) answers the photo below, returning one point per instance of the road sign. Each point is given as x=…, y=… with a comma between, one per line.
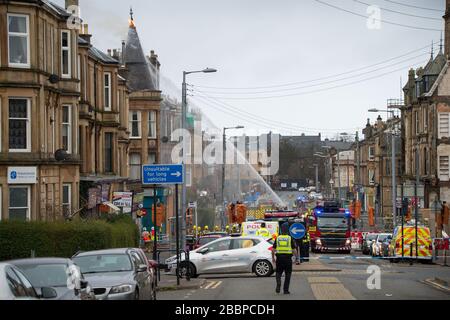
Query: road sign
x=162, y=174
x=297, y=231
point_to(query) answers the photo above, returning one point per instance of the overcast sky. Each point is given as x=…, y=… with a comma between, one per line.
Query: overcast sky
x=265, y=44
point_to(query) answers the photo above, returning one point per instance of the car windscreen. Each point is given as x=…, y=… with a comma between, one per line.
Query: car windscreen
x=332, y=222
x=203, y=241
x=382, y=238
x=371, y=237
x=104, y=263
x=45, y=275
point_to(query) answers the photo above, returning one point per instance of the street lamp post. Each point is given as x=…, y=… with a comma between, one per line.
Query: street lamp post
x=393, y=165
x=184, y=127
x=224, y=159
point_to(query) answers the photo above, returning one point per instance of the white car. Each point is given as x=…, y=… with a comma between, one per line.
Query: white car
x=14, y=285
x=248, y=254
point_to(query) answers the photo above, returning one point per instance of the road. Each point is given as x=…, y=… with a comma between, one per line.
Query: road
x=398, y=281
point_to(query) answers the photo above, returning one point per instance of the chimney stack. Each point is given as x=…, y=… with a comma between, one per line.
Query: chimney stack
x=72, y=3
x=447, y=28
x=85, y=34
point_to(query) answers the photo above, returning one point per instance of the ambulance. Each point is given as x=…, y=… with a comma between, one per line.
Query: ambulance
x=250, y=228
x=407, y=249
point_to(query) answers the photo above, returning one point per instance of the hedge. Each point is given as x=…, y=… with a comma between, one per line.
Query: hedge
x=64, y=239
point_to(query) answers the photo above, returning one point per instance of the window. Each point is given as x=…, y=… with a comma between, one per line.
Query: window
x=107, y=91
x=18, y=40
x=151, y=158
x=444, y=174
x=109, y=148
x=30, y=292
x=425, y=119
x=66, y=125
x=19, y=125
x=372, y=177
x=66, y=68
x=388, y=167
x=221, y=245
x=243, y=244
x=188, y=177
x=444, y=124
x=135, y=166
x=371, y=153
x=152, y=124
x=416, y=121
x=67, y=200
x=19, y=203
x=135, y=124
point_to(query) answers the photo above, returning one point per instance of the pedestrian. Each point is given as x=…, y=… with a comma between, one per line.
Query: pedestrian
x=263, y=231
x=283, y=249
x=305, y=248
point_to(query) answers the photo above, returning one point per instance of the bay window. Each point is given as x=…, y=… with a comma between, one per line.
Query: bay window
x=152, y=124
x=19, y=125
x=66, y=67
x=135, y=124
x=19, y=203
x=107, y=91
x=18, y=40
x=66, y=125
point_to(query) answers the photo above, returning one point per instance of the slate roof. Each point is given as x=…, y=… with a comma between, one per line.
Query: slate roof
x=137, y=69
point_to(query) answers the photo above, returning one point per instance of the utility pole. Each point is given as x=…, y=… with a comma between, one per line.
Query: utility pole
x=358, y=168
x=394, y=176
x=339, y=175
x=416, y=186
x=185, y=145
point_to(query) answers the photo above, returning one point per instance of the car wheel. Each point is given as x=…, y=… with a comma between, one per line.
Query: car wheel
x=153, y=292
x=183, y=270
x=263, y=268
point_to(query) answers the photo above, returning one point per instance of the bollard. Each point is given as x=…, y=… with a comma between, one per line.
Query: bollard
x=445, y=256
x=411, y=254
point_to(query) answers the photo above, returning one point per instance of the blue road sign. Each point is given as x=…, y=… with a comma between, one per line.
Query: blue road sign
x=297, y=231
x=162, y=174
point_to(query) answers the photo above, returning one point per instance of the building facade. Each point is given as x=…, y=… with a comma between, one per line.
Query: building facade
x=39, y=100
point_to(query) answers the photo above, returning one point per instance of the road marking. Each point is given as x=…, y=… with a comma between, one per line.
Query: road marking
x=329, y=288
x=323, y=280
x=212, y=285
x=217, y=285
x=209, y=285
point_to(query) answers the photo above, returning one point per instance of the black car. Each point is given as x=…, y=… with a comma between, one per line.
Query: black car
x=55, y=273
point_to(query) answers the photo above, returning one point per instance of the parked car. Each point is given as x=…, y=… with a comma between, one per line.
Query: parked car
x=229, y=255
x=117, y=274
x=203, y=240
x=378, y=243
x=54, y=273
x=14, y=285
x=367, y=243
x=153, y=269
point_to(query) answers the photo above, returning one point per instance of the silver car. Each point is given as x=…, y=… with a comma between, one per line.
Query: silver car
x=117, y=274
x=228, y=255
x=14, y=285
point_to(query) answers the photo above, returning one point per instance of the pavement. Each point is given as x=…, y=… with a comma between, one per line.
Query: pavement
x=314, y=265
x=169, y=283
